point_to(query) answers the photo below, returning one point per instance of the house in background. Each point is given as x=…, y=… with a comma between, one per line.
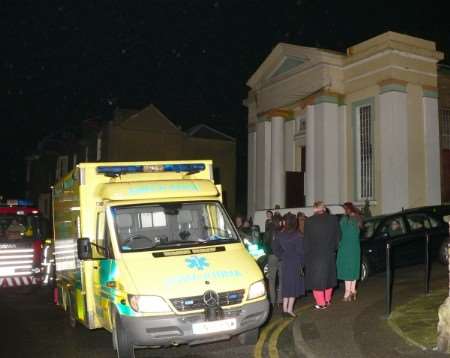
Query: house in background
x=361, y=125
x=49, y=161
x=150, y=135
x=137, y=135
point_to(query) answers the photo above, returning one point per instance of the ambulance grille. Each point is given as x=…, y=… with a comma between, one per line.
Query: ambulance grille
x=228, y=298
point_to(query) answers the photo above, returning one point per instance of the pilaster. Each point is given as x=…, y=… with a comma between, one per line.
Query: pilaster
x=393, y=142
x=431, y=146
x=310, y=185
x=277, y=173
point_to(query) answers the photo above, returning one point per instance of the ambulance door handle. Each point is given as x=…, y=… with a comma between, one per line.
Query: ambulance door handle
x=95, y=267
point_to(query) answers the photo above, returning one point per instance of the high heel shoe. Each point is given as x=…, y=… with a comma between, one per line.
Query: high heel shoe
x=353, y=296
x=347, y=298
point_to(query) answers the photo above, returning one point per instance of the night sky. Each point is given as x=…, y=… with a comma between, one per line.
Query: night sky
x=64, y=62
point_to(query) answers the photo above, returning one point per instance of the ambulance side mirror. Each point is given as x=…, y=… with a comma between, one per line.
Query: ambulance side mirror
x=256, y=232
x=84, y=249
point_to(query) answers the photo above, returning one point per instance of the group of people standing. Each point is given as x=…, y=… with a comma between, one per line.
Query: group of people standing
x=312, y=253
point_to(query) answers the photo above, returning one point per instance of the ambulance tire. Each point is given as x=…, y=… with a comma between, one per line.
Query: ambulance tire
x=70, y=312
x=124, y=348
x=249, y=337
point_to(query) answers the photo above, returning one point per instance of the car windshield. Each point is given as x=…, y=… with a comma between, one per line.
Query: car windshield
x=155, y=227
x=15, y=228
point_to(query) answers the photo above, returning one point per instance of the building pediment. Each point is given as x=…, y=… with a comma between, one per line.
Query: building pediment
x=286, y=60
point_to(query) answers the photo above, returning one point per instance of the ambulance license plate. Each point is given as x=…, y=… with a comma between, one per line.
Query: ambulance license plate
x=5, y=271
x=214, y=326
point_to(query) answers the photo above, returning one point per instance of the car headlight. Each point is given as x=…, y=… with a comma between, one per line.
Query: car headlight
x=148, y=304
x=256, y=289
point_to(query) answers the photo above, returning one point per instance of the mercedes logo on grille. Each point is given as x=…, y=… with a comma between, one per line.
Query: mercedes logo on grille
x=211, y=298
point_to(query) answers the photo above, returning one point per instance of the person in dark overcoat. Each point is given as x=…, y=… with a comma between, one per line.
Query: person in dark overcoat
x=320, y=245
x=273, y=264
x=288, y=247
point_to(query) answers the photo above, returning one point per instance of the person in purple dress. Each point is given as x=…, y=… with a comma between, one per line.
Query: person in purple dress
x=288, y=247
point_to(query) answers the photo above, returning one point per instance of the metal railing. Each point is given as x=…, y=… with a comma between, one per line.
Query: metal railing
x=389, y=276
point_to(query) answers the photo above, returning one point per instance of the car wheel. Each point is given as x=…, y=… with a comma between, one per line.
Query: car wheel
x=121, y=342
x=365, y=270
x=443, y=252
x=249, y=337
x=262, y=263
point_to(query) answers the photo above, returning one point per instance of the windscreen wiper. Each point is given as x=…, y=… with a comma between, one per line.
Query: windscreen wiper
x=178, y=243
x=222, y=239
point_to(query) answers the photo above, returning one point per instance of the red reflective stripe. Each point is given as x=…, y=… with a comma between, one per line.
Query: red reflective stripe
x=37, y=252
x=17, y=281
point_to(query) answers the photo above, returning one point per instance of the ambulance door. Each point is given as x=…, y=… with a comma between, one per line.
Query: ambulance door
x=104, y=280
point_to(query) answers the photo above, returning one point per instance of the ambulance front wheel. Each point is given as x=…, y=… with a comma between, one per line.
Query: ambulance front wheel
x=121, y=342
x=249, y=337
x=71, y=319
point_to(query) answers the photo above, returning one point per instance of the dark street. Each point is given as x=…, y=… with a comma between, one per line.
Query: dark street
x=36, y=328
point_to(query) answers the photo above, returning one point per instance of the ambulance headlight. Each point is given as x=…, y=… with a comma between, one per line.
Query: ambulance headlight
x=256, y=290
x=148, y=304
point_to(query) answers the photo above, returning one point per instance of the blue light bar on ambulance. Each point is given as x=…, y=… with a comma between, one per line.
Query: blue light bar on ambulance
x=18, y=202
x=158, y=168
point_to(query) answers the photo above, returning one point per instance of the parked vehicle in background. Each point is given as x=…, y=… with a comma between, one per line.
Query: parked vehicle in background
x=23, y=232
x=406, y=230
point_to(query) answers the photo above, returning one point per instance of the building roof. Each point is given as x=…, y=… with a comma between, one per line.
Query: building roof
x=148, y=119
x=207, y=132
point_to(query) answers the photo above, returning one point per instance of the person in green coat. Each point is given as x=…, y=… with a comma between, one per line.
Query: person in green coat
x=349, y=251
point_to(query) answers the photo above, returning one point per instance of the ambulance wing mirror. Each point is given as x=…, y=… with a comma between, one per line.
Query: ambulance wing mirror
x=256, y=232
x=84, y=249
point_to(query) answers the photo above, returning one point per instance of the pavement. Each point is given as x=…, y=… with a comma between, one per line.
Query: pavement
x=362, y=329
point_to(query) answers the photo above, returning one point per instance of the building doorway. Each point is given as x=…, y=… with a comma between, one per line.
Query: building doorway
x=295, y=191
x=295, y=181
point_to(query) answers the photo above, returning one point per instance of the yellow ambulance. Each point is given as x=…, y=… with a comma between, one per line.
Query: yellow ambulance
x=147, y=251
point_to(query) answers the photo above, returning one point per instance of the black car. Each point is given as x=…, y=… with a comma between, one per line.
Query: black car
x=406, y=230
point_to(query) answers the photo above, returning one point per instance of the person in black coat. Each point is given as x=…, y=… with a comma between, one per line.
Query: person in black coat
x=288, y=247
x=320, y=244
x=273, y=226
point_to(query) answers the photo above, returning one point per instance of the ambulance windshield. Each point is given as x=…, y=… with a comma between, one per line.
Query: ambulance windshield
x=156, y=227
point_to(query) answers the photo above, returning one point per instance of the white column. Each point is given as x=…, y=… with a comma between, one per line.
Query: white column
x=277, y=173
x=310, y=157
x=343, y=153
x=393, y=142
x=267, y=163
x=259, y=155
x=262, y=180
x=251, y=174
x=289, y=146
x=328, y=114
x=432, y=151
x=319, y=154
